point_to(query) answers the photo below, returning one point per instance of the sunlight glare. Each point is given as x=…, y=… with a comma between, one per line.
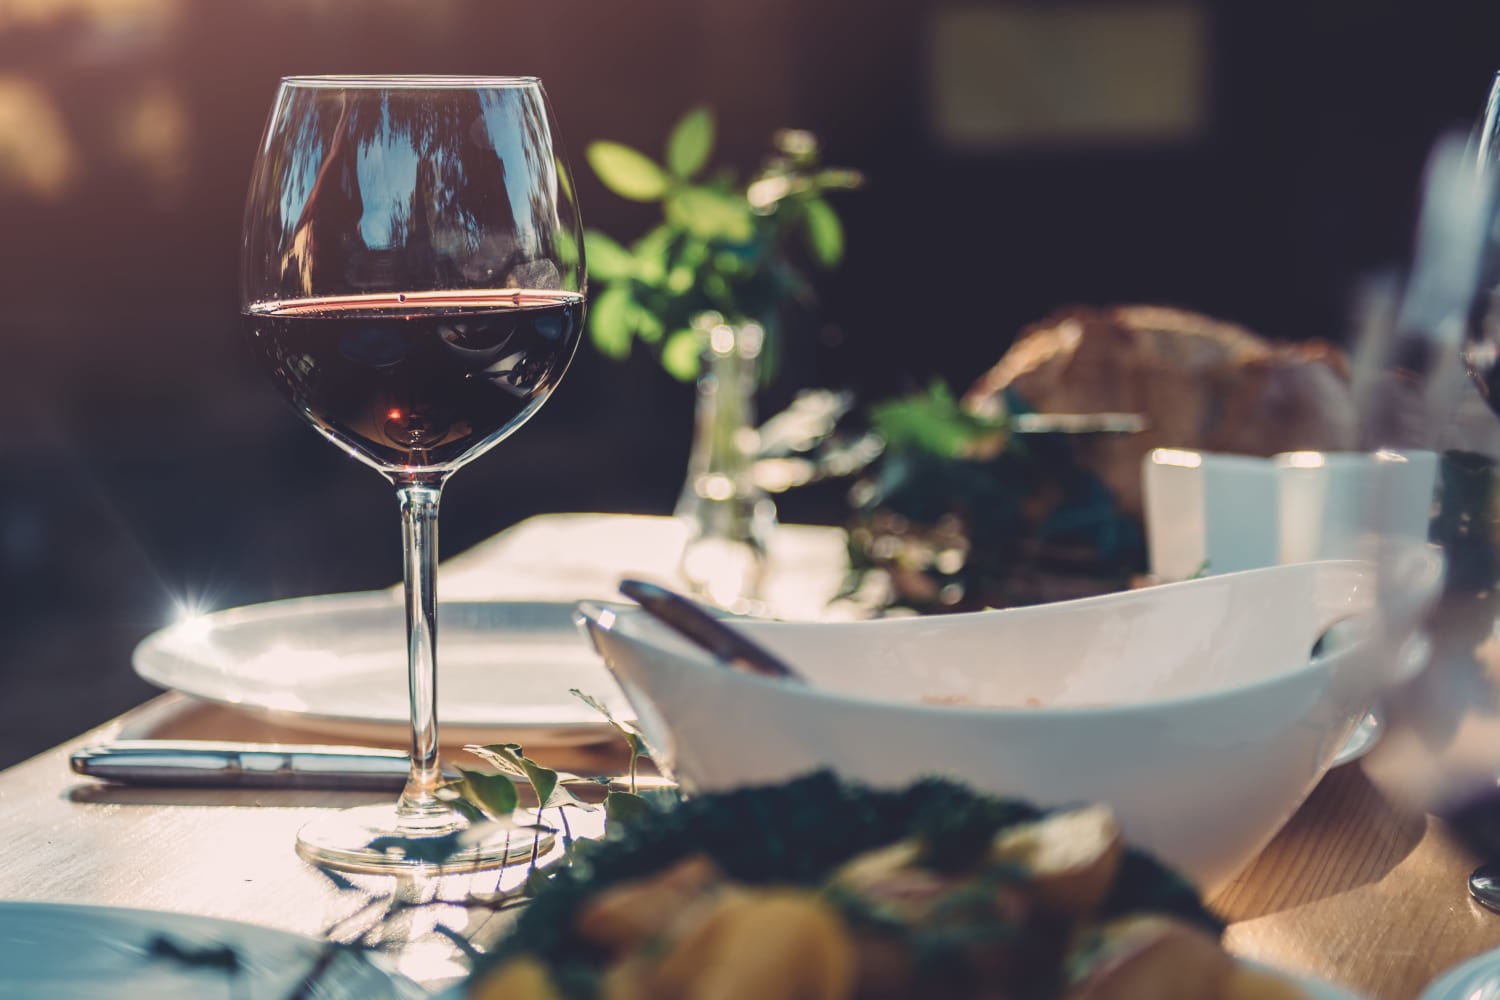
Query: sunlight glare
x=1178, y=457
x=1305, y=459
x=191, y=618
x=36, y=153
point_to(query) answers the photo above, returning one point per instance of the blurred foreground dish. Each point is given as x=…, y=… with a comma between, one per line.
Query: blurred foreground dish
x=1018, y=515
x=816, y=890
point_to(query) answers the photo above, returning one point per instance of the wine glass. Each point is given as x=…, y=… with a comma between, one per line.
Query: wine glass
x=1441, y=750
x=412, y=280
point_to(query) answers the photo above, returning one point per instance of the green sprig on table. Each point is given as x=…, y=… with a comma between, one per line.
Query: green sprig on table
x=964, y=510
x=493, y=797
x=721, y=247
x=935, y=423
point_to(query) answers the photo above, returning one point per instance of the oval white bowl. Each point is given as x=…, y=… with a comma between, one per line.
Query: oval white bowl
x=1193, y=709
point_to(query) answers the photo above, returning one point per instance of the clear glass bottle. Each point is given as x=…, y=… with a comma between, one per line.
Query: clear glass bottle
x=729, y=518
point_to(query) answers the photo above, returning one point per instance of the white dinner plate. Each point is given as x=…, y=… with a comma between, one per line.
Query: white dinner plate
x=62, y=952
x=338, y=663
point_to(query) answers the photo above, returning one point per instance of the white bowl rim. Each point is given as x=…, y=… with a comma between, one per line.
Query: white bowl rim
x=1363, y=566
x=590, y=611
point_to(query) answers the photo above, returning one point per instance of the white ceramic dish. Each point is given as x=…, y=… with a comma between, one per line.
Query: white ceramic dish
x=1216, y=513
x=1191, y=708
x=1360, y=742
x=1476, y=979
x=338, y=663
x=63, y=952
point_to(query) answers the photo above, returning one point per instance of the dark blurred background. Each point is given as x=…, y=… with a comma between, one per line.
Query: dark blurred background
x=1249, y=159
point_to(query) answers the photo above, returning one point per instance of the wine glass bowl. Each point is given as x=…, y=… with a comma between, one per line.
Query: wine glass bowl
x=417, y=383
x=412, y=282
x=412, y=272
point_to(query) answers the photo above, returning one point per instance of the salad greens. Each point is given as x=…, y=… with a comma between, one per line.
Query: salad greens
x=798, y=834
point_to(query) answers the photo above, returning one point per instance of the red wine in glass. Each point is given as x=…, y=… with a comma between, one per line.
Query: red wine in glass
x=422, y=379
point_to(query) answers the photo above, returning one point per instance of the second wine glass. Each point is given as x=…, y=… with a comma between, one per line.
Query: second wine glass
x=412, y=281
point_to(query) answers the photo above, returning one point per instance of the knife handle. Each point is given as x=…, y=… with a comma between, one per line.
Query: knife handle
x=697, y=625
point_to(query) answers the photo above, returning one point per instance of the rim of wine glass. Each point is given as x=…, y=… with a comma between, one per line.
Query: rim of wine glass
x=413, y=80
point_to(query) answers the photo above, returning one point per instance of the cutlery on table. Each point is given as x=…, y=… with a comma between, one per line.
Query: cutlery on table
x=208, y=764
x=196, y=763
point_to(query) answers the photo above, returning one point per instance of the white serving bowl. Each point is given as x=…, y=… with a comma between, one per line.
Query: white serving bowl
x=1194, y=709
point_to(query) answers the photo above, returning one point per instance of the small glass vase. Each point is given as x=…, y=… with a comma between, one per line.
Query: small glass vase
x=729, y=518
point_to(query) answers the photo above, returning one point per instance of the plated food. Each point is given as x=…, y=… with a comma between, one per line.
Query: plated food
x=822, y=890
x=1200, y=382
x=69, y=951
x=1027, y=488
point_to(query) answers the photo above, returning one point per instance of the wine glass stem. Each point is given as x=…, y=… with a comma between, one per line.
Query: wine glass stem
x=419, y=809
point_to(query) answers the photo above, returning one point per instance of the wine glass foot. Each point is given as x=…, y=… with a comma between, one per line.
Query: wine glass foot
x=351, y=840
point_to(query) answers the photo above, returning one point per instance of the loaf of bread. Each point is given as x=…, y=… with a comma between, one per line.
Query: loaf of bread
x=1199, y=382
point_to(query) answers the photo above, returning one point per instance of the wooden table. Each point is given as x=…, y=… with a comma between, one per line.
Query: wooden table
x=225, y=853
x=1353, y=890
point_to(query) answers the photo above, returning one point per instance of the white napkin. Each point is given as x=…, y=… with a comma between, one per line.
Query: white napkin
x=584, y=556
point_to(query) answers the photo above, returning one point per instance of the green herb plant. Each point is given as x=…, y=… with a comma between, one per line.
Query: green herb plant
x=935, y=423
x=966, y=509
x=721, y=247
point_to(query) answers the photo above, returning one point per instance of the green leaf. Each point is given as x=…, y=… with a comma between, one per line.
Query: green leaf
x=461, y=805
x=692, y=254
x=631, y=735
x=494, y=794
x=627, y=172
x=932, y=423
x=825, y=234
x=691, y=141
x=718, y=292
x=623, y=808
x=710, y=214
x=655, y=243
x=650, y=252
x=680, y=355
x=609, y=321
x=680, y=280
x=648, y=325
x=545, y=782
x=608, y=261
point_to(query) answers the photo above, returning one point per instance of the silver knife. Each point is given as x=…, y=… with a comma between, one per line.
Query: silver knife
x=216, y=764
x=196, y=763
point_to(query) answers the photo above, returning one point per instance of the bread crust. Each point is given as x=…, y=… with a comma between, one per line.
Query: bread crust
x=1201, y=383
